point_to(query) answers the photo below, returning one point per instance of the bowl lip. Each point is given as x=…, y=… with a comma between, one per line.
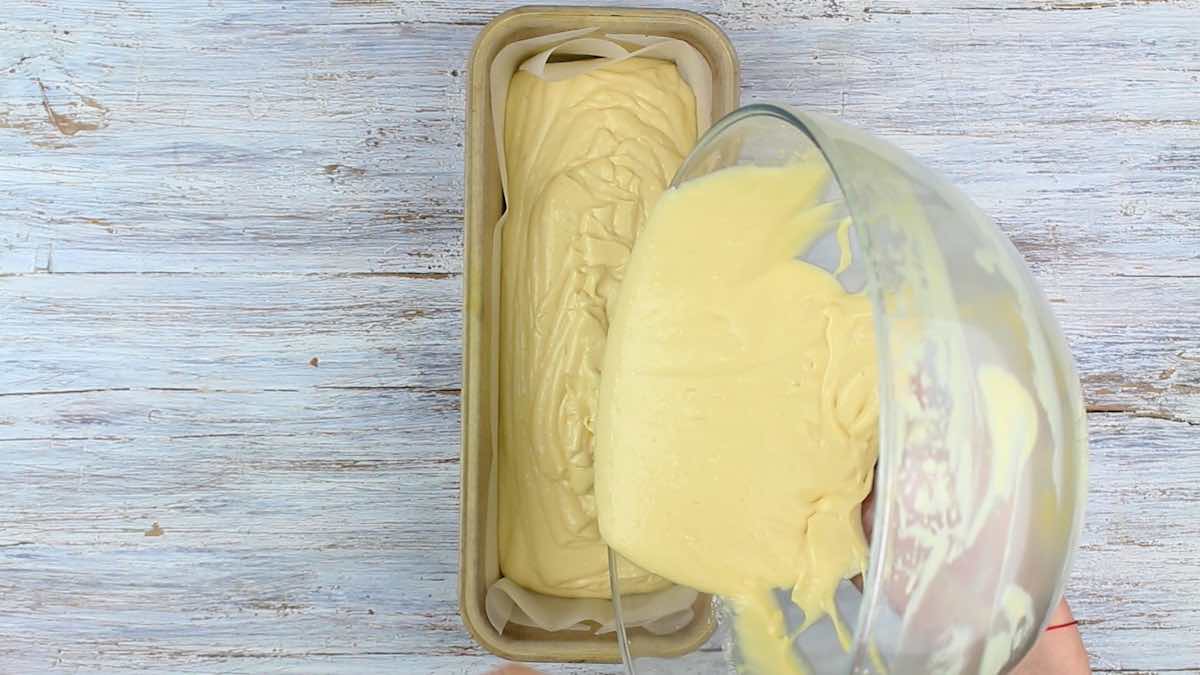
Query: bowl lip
x=738, y=116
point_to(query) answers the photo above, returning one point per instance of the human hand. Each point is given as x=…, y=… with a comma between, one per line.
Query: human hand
x=1058, y=650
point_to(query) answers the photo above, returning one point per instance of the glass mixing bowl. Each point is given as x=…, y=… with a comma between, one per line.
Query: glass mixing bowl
x=981, y=481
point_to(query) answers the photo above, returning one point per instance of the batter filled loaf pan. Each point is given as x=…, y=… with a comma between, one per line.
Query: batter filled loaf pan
x=479, y=567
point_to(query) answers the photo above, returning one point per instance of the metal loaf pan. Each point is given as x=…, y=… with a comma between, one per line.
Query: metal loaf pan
x=478, y=559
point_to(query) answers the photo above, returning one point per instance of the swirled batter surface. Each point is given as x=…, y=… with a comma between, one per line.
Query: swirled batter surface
x=587, y=158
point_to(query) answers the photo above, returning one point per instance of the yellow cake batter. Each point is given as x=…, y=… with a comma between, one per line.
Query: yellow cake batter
x=587, y=158
x=736, y=436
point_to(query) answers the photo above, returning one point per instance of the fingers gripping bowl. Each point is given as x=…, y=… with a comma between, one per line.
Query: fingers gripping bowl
x=981, y=474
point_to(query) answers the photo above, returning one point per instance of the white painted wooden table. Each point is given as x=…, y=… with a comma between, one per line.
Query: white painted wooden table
x=230, y=264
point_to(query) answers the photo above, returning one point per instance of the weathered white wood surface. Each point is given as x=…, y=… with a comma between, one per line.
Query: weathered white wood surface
x=198, y=198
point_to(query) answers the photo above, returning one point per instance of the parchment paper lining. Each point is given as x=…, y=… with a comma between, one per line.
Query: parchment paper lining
x=665, y=611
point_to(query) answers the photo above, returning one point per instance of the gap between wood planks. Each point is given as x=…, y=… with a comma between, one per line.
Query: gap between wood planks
x=313, y=275
x=1124, y=275
x=425, y=389
x=1134, y=411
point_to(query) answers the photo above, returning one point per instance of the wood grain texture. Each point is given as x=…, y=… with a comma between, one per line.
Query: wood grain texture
x=199, y=198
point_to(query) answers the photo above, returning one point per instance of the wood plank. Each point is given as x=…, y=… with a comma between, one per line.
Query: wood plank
x=1068, y=129
x=291, y=522
x=250, y=332
x=309, y=422
x=1136, y=581
x=320, y=663
x=253, y=139
x=1135, y=341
